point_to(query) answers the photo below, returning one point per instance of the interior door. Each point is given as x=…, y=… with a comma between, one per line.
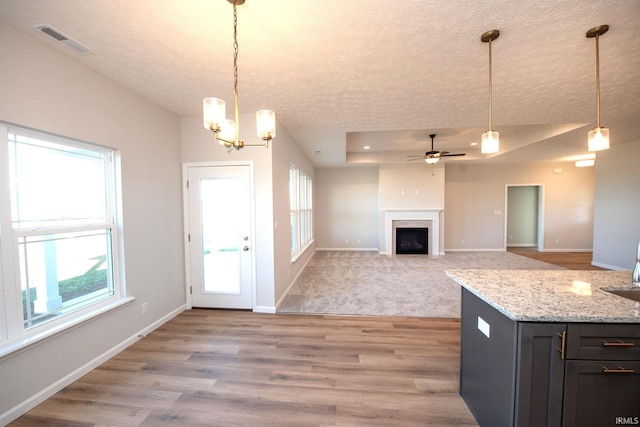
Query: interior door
x=220, y=242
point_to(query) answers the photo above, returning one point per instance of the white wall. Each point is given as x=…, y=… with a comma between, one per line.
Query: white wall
x=415, y=186
x=46, y=90
x=475, y=204
x=617, y=206
x=198, y=146
x=346, y=207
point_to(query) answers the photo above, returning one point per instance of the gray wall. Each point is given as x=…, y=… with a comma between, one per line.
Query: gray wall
x=346, y=208
x=475, y=204
x=617, y=206
x=49, y=91
x=286, y=152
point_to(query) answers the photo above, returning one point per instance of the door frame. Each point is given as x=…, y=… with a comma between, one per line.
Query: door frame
x=185, y=222
x=540, y=213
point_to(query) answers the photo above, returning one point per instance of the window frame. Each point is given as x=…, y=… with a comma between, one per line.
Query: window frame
x=13, y=333
x=300, y=211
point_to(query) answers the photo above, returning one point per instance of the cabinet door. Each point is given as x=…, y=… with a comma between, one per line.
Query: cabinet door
x=602, y=393
x=540, y=376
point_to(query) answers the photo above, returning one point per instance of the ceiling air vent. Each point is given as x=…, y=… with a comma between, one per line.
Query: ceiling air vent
x=60, y=37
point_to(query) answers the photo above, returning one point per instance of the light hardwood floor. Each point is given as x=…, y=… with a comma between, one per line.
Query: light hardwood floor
x=570, y=260
x=235, y=368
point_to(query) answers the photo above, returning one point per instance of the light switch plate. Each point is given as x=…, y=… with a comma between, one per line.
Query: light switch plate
x=484, y=327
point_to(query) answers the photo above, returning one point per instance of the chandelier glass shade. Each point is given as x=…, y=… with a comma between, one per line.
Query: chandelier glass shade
x=490, y=139
x=227, y=132
x=598, y=137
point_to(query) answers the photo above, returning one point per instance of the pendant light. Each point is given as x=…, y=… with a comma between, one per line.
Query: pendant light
x=598, y=138
x=227, y=132
x=491, y=138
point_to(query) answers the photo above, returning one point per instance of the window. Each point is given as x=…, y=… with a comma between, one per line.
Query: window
x=301, y=210
x=58, y=232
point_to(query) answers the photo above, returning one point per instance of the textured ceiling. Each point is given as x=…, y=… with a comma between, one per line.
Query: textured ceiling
x=385, y=73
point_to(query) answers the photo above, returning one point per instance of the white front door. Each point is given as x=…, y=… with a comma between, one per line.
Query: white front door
x=220, y=241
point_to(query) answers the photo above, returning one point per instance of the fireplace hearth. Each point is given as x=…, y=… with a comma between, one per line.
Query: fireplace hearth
x=412, y=241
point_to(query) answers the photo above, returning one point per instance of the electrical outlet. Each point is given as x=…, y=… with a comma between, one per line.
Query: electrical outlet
x=145, y=308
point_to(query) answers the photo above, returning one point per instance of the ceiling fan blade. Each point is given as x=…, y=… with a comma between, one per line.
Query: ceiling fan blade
x=413, y=160
x=453, y=155
x=417, y=157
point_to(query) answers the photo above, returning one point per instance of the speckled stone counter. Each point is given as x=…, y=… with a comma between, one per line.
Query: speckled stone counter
x=553, y=295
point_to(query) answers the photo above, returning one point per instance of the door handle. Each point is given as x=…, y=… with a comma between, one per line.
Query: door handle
x=620, y=370
x=246, y=248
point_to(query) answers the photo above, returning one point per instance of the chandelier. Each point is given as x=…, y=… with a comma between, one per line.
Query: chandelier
x=227, y=132
x=491, y=138
x=598, y=138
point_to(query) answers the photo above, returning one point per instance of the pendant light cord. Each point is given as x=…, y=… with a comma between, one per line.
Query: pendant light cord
x=490, y=85
x=597, y=81
x=235, y=71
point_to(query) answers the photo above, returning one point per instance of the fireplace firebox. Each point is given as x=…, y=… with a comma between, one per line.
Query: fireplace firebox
x=412, y=241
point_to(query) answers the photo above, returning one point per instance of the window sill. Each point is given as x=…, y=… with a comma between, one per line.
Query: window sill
x=14, y=346
x=298, y=254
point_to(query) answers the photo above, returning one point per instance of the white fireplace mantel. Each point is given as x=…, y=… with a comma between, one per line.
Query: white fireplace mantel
x=432, y=215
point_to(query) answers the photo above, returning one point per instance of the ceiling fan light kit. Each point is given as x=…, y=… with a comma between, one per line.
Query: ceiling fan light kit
x=490, y=139
x=598, y=137
x=227, y=132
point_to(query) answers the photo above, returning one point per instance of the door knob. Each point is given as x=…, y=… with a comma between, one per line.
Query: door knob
x=246, y=248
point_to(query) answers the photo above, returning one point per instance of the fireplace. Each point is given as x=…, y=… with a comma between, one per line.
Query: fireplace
x=394, y=219
x=412, y=240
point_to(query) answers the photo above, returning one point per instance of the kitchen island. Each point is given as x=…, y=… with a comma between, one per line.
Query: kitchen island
x=549, y=347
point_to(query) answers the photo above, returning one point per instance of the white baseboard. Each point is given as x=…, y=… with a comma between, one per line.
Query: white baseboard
x=349, y=249
x=475, y=250
x=264, y=309
x=566, y=250
x=610, y=267
x=43, y=395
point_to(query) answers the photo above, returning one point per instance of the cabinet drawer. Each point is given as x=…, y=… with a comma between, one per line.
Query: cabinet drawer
x=603, y=342
x=601, y=393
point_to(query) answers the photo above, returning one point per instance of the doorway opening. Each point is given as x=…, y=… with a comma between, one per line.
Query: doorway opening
x=524, y=224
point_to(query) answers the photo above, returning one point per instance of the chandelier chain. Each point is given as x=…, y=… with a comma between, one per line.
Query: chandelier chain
x=235, y=47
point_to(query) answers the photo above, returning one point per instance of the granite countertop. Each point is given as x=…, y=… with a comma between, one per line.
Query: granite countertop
x=553, y=295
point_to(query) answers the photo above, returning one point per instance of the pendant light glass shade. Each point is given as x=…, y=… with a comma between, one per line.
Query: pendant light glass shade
x=598, y=139
x=266, y=124
x=490, y=142
x=213, y=112
x=227, y=131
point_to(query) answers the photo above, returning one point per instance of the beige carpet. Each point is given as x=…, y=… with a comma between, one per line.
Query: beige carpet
x=370, y=284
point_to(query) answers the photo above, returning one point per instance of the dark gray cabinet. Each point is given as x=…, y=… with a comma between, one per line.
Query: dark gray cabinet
x=602, y=375
x=547, y=374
